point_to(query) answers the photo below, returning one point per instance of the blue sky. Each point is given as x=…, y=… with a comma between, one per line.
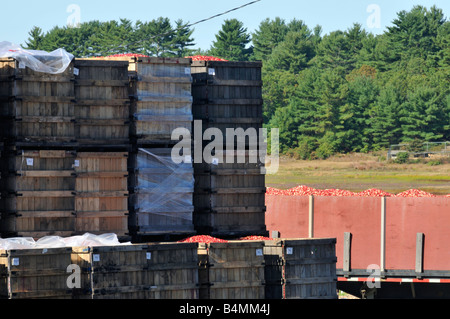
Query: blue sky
x=330, y=14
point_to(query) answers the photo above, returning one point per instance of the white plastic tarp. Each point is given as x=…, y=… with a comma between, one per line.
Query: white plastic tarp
x=87, y=239
x=54, y=62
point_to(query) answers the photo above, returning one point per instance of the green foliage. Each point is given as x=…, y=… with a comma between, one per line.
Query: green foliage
x=351, y=91
x=401, y=158
x=157, y=37
x=231, y=42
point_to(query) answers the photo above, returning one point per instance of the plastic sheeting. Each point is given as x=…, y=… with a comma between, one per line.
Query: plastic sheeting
x=164, y=187
x=54, y=62
x=168, y=87
x=154, y=70
x=87, y=239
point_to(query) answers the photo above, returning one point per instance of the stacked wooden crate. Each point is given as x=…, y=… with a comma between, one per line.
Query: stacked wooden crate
x=139, y=271
x=301, y=268
x=39, y=193
x=102, y=113
x=37, y=109
x=38, y=120
x=66, y=146
x=162, y=190
x=162, y=194
x=232, y=270
x=35, y=273
x=102, y=108
x=229, y=187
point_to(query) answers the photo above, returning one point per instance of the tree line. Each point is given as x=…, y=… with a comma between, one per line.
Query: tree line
x=345, y=91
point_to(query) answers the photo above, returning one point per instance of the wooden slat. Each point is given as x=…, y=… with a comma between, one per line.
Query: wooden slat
x=102, y=194
x=45, y=119
x=100, y=83
x=47, y=174
x=98, y=102
x=46, y=99
x=46, y=193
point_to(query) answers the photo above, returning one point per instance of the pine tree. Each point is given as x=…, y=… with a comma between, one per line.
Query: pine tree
x=267, y=37
x=231, y=42
x=35, y=40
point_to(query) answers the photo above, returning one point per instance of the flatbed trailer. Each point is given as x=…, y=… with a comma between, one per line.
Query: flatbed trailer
x=387, y=247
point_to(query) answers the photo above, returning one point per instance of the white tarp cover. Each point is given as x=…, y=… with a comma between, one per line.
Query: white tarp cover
x=87, y=239
x=54, y=62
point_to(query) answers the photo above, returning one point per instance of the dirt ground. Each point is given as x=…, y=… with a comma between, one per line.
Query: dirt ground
x=358, y=172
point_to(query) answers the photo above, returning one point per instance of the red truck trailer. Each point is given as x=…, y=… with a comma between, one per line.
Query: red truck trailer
x=387, y=247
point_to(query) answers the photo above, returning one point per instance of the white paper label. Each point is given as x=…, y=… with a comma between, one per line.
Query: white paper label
x=76, y=71
x=15, y=261
x=149, y=255
x=215, y=161
x=96, y=257
x=211, y=72
x=259, y=252
x=187, y=70
x=21, y=65
x=29, y=161
x=289, y=250
x=76, y=163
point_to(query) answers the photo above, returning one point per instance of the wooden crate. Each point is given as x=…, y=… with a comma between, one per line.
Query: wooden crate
x=233, y=270
x=142, y=271
x=162, y=199
x=161, y=88
x=35, y=273
x=227, y=95
x=229, y=197
x=38, y=193
x=274, y=269
x=310, y=268
x=101, y=201
x=37, y=109
x=102, y=108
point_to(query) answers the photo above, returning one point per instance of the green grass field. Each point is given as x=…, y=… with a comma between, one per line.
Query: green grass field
x=358, y=172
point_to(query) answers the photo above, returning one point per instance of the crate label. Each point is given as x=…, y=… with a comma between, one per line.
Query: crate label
x=15, y=261
x=76, y=163
x=259, y=252
x=96, y=257
x=76, y=71
x=215, y=161
x=21, y=65
x=211, y=71
x=289, y=250
x=187, y=70
x=29, y=161
x=149, y=255
x=188, y=159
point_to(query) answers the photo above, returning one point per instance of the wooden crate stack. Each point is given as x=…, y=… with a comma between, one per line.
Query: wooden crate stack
x=38, y=117
x=37, y=109
x=233, y=269
x=162, y=194
x=139, y=271
x=102, y=112
x=301, y=268
x=64, y=167
x=35, y=273
x=161, y=102
x=229, y=193
x=102, y=108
